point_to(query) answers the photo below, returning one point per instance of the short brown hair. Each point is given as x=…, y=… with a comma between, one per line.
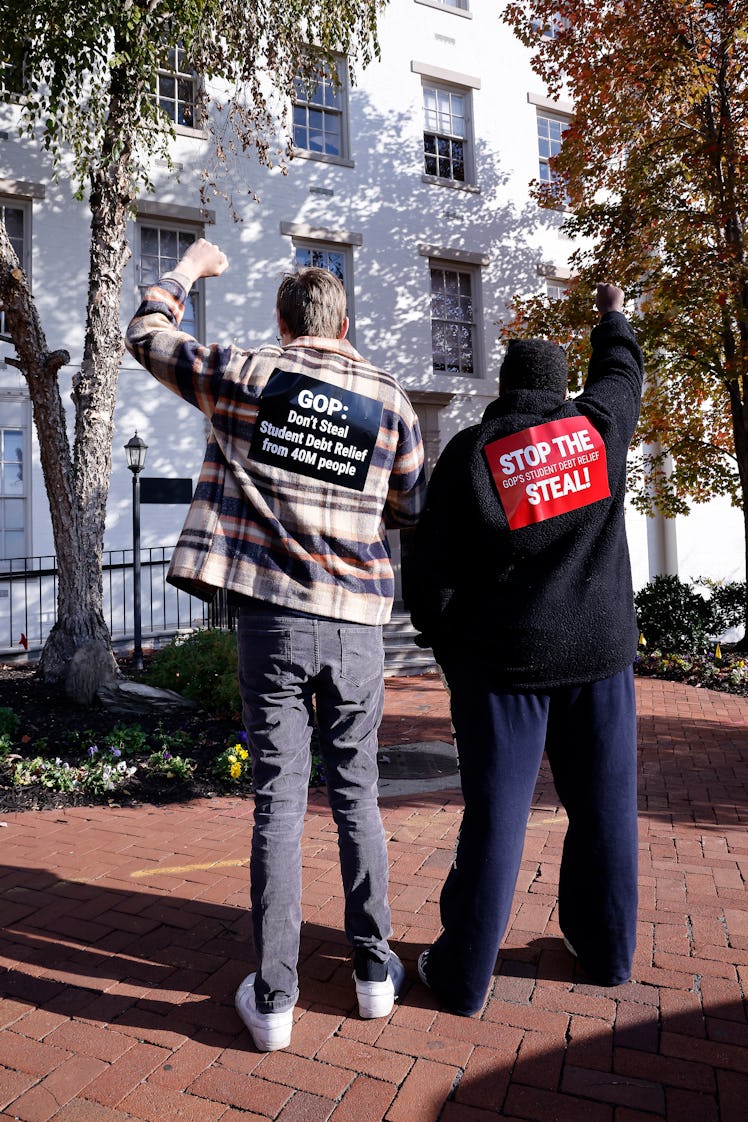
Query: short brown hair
x=312, y=302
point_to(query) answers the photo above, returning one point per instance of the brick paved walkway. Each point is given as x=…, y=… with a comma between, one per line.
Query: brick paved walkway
x=125, y=933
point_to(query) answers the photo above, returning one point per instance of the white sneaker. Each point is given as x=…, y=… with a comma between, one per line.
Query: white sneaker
x=269, y=1031
x=376, y=999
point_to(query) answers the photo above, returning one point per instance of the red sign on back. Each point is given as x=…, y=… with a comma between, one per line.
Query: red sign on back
x=548, y=469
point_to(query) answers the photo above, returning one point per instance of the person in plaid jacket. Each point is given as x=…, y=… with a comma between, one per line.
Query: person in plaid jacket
x=313, y=453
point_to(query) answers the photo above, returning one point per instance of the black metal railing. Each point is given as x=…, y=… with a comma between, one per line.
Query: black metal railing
x=28, y=600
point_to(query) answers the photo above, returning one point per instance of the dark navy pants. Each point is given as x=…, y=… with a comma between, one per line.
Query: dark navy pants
x=589, y=734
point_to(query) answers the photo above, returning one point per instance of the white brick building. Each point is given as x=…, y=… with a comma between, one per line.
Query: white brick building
x=412, y=184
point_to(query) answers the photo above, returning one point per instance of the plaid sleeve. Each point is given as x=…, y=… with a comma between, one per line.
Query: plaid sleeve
x=191, y=370
x=407, y=491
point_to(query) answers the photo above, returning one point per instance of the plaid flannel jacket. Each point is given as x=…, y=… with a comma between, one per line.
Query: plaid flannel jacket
x=265, y=523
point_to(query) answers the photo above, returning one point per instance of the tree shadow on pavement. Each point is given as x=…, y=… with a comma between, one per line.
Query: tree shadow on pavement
x=164, y=969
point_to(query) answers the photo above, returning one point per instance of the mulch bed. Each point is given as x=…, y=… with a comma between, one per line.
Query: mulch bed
x=46, y=712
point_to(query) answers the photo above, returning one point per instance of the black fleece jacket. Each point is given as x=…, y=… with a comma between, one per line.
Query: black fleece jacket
x=550, y=603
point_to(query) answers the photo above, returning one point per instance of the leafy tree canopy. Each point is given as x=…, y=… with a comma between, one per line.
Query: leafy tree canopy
x=654, y=173
x=64, y=56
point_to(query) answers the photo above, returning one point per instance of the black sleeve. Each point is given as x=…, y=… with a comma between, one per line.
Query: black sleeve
x=615, y=374
x=432, y=566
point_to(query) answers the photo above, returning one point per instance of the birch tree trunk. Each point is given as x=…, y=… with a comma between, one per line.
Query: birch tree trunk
x=77, y=482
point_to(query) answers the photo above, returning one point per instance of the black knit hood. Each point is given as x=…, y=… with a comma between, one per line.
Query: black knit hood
x=534, y=364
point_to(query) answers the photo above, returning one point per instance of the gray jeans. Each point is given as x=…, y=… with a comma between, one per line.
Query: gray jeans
x=288, y=666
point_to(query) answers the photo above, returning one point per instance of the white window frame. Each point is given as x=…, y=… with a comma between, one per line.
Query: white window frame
x=466, y=265
x=340, y=112
x=24, y=205
x=556, y=288
x=346, y=252
x=162, y=224
x=436, y=78
x=179, y=73
x=547, y=117
x=12, y=92
x=305, y=236
x=439, y=91
x=553, y=29
x=8, y=400
x=454, y=7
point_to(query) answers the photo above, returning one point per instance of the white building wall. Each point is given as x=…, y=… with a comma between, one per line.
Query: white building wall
x=379, y=205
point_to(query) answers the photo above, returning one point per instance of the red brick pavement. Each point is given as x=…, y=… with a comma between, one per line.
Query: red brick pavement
x=125, y=932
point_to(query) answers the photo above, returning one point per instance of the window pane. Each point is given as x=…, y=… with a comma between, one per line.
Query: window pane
x=148, y=240
x=189, y=319
x=14, y=514
x=161, y=248
x=11, y=479
x=14, y=544
x=458, y=164
x=149, y=270
x=335, y=265
x=314, y=93
x=320, y=257
x=13, y=217
x=332, y=137
x=444, y=114
x=166, y=85
x=185, y=240
x=11, y=464
x=317, y=114
x=11, y=445
x=452, y=329
x=332, y=96
x=429, y=108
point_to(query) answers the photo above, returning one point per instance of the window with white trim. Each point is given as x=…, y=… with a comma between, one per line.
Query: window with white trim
x=16, y=214
x=550, y=138
x=446, y=132
x=553, y=28
x=176, y=88
x=462, y=5
x=335, y=257
x=453, y=318
x=160, y=246
x=556, y=288
x=14, y=483
x=320, y=124
x=11, y=78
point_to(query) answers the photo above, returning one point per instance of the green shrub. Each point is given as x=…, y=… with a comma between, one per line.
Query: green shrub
x=727, y=602
x=203, y=667
x=673, y=616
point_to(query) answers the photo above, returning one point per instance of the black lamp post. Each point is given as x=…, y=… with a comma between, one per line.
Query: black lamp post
x=135, y=450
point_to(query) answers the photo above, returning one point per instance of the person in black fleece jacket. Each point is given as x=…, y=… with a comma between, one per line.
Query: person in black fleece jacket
x=519, y=578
